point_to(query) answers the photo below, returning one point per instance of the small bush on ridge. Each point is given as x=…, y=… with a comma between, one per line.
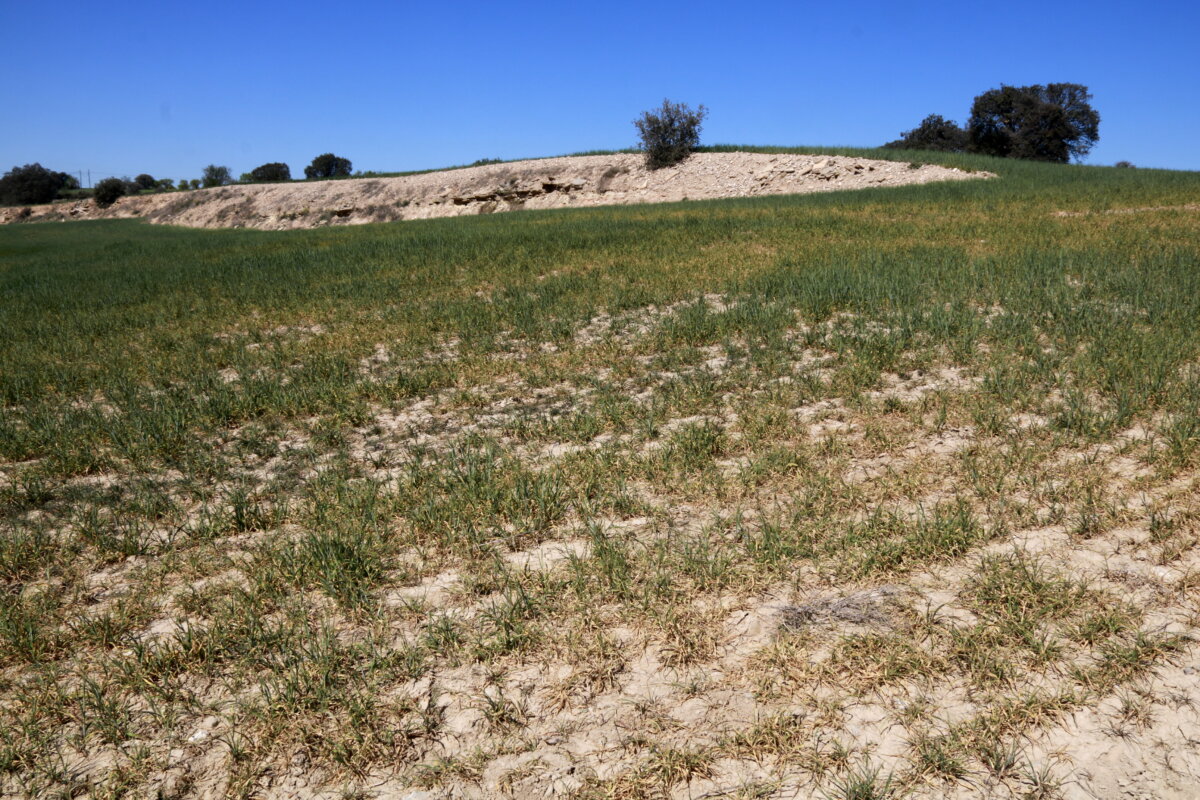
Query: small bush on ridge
x=109, y=191
x=934, y=133
x=669, y=134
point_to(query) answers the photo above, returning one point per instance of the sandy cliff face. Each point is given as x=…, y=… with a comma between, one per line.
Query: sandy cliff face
x=567, y=182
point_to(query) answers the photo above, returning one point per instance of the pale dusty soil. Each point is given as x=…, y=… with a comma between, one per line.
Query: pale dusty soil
x=567, y=182
x=580, y=723
x=1140, y=210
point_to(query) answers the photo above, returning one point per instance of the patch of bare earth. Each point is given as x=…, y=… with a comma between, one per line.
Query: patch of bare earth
x=1123, y=211
x=565, y=182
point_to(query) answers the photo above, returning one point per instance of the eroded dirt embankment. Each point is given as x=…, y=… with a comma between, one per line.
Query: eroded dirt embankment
x=572, y=181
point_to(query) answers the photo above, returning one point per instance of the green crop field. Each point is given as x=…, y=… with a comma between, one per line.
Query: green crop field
x=861, y=494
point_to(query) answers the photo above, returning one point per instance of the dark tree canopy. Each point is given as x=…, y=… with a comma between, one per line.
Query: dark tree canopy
x=934, y=133
x=216, y=176
x=267, y=173
x=1055, y=122
x=32, y=183
x=145, y=181
x=327, y=165
x=669, y=134
x=109, y=190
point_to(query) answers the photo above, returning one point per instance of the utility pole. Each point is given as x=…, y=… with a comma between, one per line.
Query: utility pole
x=89, y=179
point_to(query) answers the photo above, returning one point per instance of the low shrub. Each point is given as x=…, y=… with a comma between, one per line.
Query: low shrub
x=934, y=133
x=109, y=191
x=669, y=134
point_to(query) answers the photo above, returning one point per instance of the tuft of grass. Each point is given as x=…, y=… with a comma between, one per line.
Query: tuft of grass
x=864, y=782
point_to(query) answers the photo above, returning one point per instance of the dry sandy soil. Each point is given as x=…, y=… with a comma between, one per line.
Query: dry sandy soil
x=769, y=689
x=567, y=182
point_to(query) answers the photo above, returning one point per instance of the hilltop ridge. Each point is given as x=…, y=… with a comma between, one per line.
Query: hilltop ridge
x=562, y=182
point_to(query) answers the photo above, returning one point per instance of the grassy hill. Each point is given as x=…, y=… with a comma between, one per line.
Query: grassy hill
x=813, y=492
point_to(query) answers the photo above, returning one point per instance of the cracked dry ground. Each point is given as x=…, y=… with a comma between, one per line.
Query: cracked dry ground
x=665, y=556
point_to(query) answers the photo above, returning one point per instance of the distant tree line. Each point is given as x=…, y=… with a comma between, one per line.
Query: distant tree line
x=33, y=184
x=1055, y=122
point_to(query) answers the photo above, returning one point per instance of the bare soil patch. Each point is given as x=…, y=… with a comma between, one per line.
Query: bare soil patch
x=775, y=610
x=567, y=182
x=1119, y=211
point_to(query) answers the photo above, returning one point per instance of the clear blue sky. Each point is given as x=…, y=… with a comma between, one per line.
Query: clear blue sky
x=167, y=87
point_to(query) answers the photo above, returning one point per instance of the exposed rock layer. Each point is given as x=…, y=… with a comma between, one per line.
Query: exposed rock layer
x=572, y=181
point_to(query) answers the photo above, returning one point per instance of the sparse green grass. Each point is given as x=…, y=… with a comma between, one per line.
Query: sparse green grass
x=322, y=501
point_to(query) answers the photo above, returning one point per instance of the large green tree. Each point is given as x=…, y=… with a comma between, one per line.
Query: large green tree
x=216, y=176
x=327, y=165
x=274, y=171
x=32, y=183
x=1055, y=122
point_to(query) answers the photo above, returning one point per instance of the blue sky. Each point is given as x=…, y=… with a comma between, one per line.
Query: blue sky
x=167, y=87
